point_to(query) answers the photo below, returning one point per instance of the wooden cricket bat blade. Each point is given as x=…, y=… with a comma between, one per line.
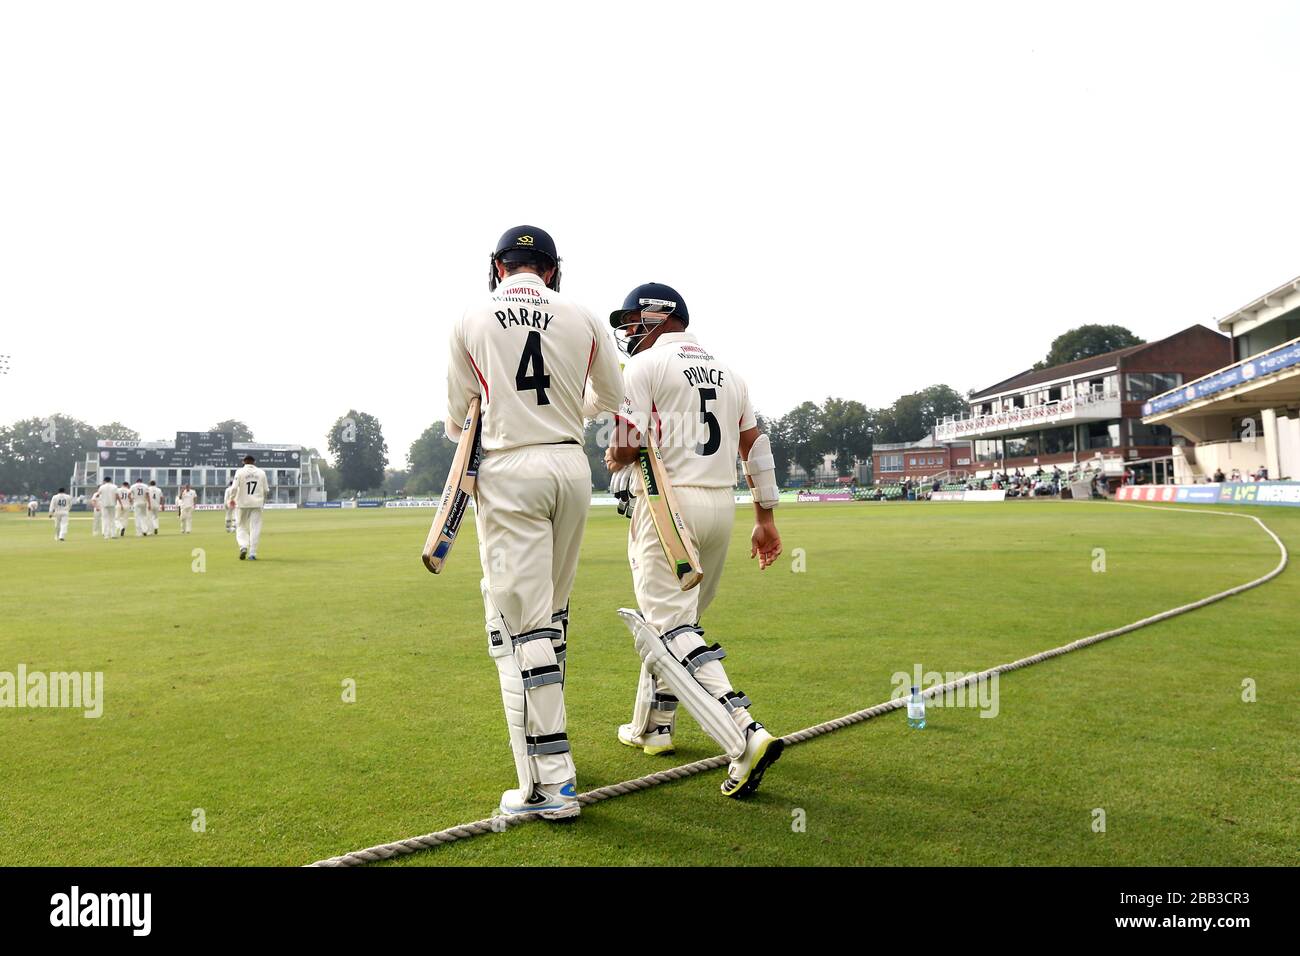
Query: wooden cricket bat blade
x=461, y=479
x=666, y=514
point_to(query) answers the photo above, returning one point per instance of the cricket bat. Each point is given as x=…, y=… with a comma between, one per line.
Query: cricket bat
x=456, y=493
x=667, y=517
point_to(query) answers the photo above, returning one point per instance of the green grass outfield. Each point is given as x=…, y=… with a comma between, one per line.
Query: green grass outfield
x=223, y=691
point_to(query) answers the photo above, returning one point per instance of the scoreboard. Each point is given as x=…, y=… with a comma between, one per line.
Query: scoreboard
x=203, y=448
x=196, y=450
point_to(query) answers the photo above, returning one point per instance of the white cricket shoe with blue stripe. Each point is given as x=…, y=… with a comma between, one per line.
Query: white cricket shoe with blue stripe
x=552, y=801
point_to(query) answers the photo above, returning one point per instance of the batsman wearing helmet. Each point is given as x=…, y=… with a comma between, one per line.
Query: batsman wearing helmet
x=528, y=354
x=697, y=411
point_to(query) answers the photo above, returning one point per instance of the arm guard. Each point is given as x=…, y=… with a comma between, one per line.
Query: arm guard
x=760, y=469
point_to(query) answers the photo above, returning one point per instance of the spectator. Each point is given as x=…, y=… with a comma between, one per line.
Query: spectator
x=1218, y=475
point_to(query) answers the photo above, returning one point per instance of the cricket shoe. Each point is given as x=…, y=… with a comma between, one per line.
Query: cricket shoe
x=658, y=740
x=552, y=801
x=761, y=751
x=252, y=557
x=243, y=553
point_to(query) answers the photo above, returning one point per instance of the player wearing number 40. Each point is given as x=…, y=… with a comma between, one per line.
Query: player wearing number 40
x=248, y=499
x=529, y=354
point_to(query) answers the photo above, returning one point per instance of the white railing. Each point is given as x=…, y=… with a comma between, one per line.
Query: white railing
x=1044, y=414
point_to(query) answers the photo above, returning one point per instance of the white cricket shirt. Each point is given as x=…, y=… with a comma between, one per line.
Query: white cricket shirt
x=696, y=404
x=529, y=353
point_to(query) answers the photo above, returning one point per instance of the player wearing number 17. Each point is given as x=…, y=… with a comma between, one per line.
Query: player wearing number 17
x=248, y=500
x=528, y=354
x=686, y=416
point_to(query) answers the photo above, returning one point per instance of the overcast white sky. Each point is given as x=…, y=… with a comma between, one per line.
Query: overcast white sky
x=270, y=211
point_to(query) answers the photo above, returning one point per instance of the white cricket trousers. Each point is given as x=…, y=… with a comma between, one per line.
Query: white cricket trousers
x=532, y=505
x=249, y=529
x=95, y=523
x=60, y=526
x=187, y=520
x=141, y=520
x=120, y=516
x=153, y=519
x=710, y=514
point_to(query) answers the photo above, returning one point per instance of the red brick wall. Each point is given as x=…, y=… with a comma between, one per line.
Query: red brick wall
x=1194, y=352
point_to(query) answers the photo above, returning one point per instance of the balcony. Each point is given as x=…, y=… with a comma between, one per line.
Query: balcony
x=1088, y=407
x=1271, y=378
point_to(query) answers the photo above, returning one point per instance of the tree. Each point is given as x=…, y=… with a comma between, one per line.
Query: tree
x=800, y=427
x=845, y=431
x=595, y=439
x=116, y=431
x=330, y=476
x=774, y=429
x=395, y=482
x=912, y=417
x=37, y=455
x=1086, y=341
x=356, y=441
x=237, y=430
x=429, y=460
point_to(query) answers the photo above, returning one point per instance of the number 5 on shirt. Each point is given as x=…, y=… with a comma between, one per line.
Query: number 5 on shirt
x=456, y=493
x=667, y=517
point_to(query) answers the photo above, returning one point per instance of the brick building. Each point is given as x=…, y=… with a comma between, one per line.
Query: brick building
x=1068, y=413
x=920, y=460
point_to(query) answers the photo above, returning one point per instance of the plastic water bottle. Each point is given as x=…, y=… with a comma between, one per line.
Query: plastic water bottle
x=916, y=710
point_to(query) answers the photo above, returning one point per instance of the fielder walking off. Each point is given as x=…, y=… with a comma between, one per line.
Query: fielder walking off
x=250, y=497
x=59, y=505
x=155, y=506
x=96, y=513
x=122, y=511
x=701, y=416
x=232, y=516
x=140, y=502
x=185, y=500
x=528, y=353
x=108, y=509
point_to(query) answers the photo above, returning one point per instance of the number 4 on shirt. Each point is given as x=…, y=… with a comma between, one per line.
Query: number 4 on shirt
x=531, y=374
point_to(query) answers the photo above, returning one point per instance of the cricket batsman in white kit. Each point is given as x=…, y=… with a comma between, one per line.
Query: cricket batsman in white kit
x=528, y=353
x=697, y=410
x=250, y=496
x=60, y=503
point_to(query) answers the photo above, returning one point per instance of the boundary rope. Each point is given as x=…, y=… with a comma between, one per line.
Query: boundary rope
x=499, y=824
